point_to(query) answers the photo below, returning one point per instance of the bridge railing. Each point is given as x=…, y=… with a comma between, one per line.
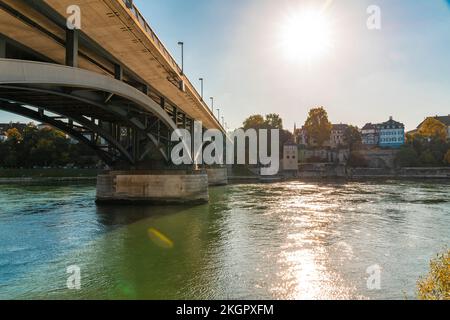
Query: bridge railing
x=144, y=24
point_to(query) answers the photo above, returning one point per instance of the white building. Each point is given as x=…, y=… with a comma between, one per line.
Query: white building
x=337, y=137
x=290, y=157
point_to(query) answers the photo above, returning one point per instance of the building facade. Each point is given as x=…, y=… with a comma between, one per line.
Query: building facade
x=370, y=135
x=392, y=134
x=290, y=157
x=443, y=119
x=337, y=137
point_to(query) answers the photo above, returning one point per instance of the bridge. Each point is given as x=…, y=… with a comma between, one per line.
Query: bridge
x=110, y=84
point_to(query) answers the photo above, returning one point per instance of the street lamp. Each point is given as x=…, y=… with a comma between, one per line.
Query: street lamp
x=181, y=44
x=201, y=81
x=212, y=104
x=218, y=115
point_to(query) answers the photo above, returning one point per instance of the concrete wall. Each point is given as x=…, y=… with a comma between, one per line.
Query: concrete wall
x=156, y=188
x=412, y=173
x=217, y=176
x=379, y=158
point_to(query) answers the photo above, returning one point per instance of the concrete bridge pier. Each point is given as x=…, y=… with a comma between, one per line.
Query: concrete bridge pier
x=161, y=187
x=217, y=176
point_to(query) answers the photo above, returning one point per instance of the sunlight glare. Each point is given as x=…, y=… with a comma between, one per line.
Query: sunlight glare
x=306, y=36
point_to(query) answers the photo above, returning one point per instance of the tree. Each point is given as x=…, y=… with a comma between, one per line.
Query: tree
x=317, y=126
x=427, y=159
x=14, y=135
x=407, y=157
x=274, y=121
x=431, y=128
x=46, y=147
x=271, y=121
x=353, y=137
x=254, y=122
x=436, y=285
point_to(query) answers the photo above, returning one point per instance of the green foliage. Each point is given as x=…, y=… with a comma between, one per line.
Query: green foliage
x=257, y=121
x=423, y=151
x=254, y=122
x=353, y=137
x=318, y=126
x=274, y=121
x=436, y=285
x=407, y=157
x=43, y=148
x=271, y=121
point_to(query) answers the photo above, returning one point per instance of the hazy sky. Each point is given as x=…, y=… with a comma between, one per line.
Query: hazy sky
x=402, y=70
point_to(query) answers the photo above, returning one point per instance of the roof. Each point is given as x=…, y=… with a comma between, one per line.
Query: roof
x=391, y=124
x=444, y=119
x=369, y=126
x=340, y=126
x=290, y=143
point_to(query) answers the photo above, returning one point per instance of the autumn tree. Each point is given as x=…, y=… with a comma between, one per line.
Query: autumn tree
x=431, y=128
x=436, y=285
x=14, y=134
x=317, y=126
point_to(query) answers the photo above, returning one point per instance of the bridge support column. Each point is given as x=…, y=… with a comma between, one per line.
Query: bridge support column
x=2, y=48
x=72, y=48
x=217, y=176
x=158, y=187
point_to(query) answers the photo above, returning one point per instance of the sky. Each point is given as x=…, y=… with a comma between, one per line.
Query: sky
x=239, y=47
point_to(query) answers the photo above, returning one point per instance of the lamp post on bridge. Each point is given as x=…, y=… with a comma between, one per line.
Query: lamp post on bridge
x=218, y=115
x=212, y=104
x=201, y=81
x=181, y=44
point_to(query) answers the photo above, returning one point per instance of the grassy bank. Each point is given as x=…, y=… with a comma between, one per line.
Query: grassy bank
x=48, y=173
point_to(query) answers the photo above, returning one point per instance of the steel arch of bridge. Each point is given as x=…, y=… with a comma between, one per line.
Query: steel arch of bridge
x=121, y=123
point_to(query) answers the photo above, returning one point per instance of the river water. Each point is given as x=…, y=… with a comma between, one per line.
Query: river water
x=292, y=240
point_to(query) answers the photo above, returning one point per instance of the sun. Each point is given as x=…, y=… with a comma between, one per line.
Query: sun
x=306, y=36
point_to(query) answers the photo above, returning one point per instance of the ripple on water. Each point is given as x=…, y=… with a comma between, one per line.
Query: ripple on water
x=290, y=240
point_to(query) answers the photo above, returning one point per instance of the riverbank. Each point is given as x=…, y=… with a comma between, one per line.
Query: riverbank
x=321, y=172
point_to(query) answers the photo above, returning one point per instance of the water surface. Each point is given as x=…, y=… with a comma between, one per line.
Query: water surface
x=290, y=240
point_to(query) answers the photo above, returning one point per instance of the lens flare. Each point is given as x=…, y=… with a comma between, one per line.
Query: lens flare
x=159, y=239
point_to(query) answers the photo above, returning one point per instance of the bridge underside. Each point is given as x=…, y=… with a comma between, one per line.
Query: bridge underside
x=127, y=128
x=122, y=95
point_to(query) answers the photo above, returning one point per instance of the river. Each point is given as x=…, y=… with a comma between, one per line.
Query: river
x=291, y=240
